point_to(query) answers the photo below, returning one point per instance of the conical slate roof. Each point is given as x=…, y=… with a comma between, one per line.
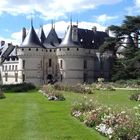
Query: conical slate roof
x=41, y=35
x=31, y=40
x=52, y=39
x=67, y=41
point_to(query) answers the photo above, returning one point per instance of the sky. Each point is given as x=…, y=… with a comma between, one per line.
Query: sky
x=16, y=14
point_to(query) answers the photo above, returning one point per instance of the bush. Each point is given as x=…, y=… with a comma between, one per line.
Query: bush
x=2, y=96
x=50, y=92
x=24, y=87
x=135, y=96
x=78, y=88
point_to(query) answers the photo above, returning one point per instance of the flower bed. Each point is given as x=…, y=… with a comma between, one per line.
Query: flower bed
x=49, y=92
x=113, y=124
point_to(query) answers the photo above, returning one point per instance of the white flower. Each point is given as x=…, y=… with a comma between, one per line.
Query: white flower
x=90, y=100
x=123, y=112
x=135, y=107
x=109, y=131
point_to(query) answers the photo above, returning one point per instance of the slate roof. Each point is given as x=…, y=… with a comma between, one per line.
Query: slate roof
x=41, y=35
x=90, y=39
x=52, y=39
x=6, y=51
x=31, y=40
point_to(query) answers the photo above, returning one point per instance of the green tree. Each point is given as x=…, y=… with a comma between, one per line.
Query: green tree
x=128, y=66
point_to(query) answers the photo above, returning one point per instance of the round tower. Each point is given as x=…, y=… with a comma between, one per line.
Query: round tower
x=70, y=59
x=31, y=58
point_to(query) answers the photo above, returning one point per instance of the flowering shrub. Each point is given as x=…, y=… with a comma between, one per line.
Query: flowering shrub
x=78, y=88
x=135, y=96
x=113, y=124
x=51, y=93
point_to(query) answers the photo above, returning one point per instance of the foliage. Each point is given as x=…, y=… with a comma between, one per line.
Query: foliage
x=113, y=124
x=78, y=88
x=24, y=87
x=135, y=96
x=2, y=96
x=52, y=94
x=128, y=66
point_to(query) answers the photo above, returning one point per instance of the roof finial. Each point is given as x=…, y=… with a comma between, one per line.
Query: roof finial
x=52, y=23
x=71, y=20
x=31, y=19
x=77, y=22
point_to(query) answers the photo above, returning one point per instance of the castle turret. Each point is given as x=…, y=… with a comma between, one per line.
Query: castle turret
x=41, y=35
x=23, y=33
x=67, y=41
x=31, y=58
x=31, y=40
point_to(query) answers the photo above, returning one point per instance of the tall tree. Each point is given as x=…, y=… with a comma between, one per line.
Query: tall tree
x=128, y=66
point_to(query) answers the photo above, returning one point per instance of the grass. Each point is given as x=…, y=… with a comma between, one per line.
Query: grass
x=30, y=116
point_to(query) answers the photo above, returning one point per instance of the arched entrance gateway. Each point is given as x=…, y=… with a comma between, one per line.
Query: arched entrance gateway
x=49, y=78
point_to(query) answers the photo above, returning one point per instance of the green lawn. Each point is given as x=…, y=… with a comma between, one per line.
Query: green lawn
x=29, y=116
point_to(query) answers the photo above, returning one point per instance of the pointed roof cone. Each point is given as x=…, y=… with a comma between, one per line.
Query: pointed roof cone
x=41, y=35
x=52, y=39
x=31, y=40
x=67, y=41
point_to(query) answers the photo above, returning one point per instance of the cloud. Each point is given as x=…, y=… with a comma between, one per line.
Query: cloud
x=49, y=9
x=135, y=9
x=60, y=27
x=104, y=18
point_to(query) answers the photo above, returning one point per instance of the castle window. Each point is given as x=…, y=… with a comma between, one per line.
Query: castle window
x=6, y=67
x=3, y=68
x=23, y=65
x=85, y=64
x=0, y=77
x=68, y=49
x=54, y=50
x=50, y=62
x=12, y=67
x=50, y=50
x=22, y=49
x=59, y=49
x=61, y=77
x=15, y=67
x=77, y=49
x=6, y=76
x=36, y=49
x=9, y=67
x=46, y=50
x=23, y=77
x=29, y=49
x=85, y=77
x=61, y=64
x=16, y=77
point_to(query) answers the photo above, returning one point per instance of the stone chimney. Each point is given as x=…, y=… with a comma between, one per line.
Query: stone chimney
x=94, y=29
x=107, y=31
x=2, y=43
x=23, y=33
x=75, y=33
